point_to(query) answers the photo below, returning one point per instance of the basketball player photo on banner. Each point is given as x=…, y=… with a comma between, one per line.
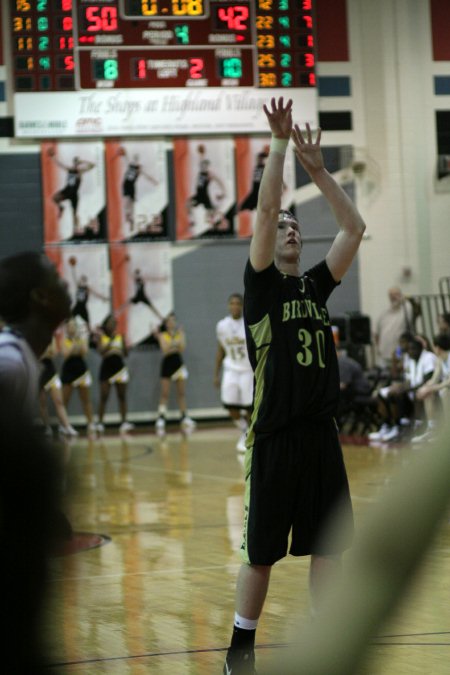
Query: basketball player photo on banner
x=73, y=180
x=137, y=189
x=251, y=156
x=141, y=288
x=204, y=187
x=85, y=267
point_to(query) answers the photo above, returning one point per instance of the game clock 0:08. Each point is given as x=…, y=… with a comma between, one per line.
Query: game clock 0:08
x=164, y=8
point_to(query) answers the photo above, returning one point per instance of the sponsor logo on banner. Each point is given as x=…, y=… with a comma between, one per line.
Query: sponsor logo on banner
x=88, y=125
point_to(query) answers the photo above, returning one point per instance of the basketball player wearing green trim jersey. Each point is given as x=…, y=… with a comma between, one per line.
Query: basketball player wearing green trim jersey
x=295, y=473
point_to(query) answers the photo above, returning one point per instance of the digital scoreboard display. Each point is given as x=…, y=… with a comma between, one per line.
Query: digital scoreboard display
x=76, y=45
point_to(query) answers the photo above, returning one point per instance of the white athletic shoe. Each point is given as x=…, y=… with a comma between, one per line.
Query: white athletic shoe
x=67, y=431
x=391, y=435
x=125, y=427
x=187, y=424
x=425, y=437
x=240, y=445
x=378, y=435
x=91, y=429
x=160, y=426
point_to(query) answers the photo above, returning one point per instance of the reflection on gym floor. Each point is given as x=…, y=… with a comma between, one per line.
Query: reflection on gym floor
x=147, y=583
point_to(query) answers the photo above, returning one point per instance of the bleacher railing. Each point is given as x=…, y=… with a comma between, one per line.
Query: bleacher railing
x=444, y=288
x=428, y=307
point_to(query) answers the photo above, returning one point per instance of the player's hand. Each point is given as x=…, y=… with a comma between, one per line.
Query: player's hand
x=216, y=381
x=308, y=152
x=279, y=117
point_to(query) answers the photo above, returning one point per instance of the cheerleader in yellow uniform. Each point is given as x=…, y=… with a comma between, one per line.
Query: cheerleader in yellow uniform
x=74, y=371
x=113, y=370
x=50, y=384
x=172, y=342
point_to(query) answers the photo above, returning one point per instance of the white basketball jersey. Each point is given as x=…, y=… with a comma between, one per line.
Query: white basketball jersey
x=231, y=335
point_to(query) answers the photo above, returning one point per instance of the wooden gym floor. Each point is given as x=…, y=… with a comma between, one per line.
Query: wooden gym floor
x=158, y=595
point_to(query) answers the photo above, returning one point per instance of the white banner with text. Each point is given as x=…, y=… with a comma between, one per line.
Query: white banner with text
x=157, y=112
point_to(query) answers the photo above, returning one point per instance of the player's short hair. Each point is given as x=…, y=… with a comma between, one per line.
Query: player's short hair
x=238, y=296
x=20, y=274
x=407, y=336
x=285, y=216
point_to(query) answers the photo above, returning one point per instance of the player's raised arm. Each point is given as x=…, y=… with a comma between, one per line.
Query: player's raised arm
x=149, y=177
x=51, y=154
x=262, y=247
x=85, y=165
x=351, y=224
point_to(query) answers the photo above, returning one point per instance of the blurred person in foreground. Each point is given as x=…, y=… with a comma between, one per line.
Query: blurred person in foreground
x=387, y=552
x=295, y=473
x=34, y=301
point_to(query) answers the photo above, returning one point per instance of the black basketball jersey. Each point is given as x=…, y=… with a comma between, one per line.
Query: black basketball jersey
x=257, y=174
x=132, y=172
x=73, y=179
x=290, y=346
x=139, y=286
x=82, y=294
x=202, y=181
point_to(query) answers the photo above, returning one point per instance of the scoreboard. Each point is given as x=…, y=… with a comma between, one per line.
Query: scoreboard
x=62, y=45
x=162, y=45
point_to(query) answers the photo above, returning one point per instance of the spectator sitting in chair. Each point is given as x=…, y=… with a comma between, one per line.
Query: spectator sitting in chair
x=353, y=381
x=397, y=402
x=356, y=404
x=400, y=357
x=435, y=393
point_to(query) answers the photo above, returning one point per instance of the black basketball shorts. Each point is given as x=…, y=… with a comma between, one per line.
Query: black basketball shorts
x=295, y=482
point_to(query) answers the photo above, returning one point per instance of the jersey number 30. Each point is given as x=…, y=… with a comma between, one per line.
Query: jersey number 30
x=305, y=356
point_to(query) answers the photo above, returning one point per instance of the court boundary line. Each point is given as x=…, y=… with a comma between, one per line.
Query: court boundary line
x=210, y=650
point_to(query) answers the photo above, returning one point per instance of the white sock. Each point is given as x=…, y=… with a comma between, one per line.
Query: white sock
x=241, y=424
x=246, y=624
